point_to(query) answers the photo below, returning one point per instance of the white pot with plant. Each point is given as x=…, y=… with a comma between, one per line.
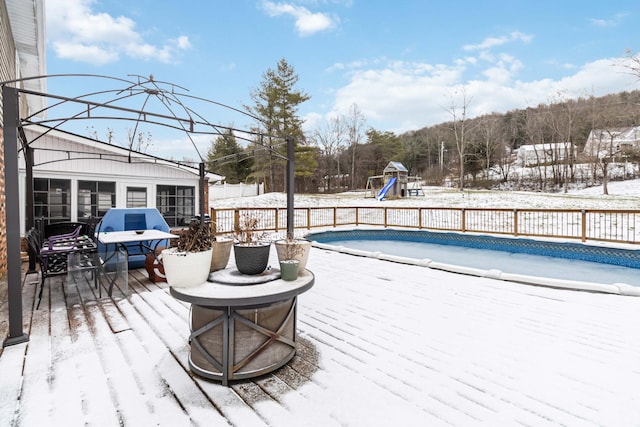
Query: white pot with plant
x=188, y=263
x=292, y=249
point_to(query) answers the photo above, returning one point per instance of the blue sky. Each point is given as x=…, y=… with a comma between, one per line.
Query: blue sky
x=403, y=63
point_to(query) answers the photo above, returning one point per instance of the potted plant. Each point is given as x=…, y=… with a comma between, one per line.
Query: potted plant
x=188, y=263
x=221, y=251
x=250, y=251
x=290, y=250
x=289, y=254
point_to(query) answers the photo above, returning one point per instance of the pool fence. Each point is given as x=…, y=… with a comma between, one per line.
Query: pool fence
x=576, y=224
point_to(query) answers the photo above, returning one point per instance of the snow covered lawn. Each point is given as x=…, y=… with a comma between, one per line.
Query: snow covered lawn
x=622, y=195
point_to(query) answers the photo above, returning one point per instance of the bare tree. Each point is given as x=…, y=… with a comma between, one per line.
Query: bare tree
x=504, y=149
x=93, y=133
x=632, y=63
x=603, y=147
x=534, y=127
x=563, y=119
x=459, y=115
x=330, y=137
x=139, y=142
x=355, y=125
x=489, y=127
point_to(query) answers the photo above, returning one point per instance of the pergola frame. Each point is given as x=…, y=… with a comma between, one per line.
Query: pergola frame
x=190, y=123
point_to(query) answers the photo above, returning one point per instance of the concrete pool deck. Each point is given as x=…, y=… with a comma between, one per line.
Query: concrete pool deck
x=380, y=344
x=563, y=264
x=540, y=280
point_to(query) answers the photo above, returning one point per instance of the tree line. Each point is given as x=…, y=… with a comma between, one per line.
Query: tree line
x=342, y=152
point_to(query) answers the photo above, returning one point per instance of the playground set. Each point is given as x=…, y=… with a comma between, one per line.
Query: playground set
x=394, y=183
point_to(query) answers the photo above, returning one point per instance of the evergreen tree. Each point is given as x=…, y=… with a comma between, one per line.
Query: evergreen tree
x=225, y=157
x=276, y=103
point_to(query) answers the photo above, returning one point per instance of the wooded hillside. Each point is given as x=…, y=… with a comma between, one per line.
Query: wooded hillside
x=492, y=140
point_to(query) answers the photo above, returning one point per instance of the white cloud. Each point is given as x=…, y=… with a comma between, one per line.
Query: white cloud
x=611, y=22
x=407, y=93
x=311, y=121
x=338, y=66
x=83, y=53
x=415, y=95
x=183, y=42
x=228, y=66
x=77, y=32
x=401, y=96
x=306, y=22
x=506, y=66
x=491, y=42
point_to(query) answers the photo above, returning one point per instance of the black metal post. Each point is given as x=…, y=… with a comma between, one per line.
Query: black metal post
x=10, y=105
x=201, y=189
x=30, y=213
x=290, y=186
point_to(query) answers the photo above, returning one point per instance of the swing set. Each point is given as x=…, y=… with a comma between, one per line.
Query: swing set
x=402, y=186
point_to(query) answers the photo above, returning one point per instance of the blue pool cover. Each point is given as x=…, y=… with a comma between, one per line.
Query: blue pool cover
x=605, y=255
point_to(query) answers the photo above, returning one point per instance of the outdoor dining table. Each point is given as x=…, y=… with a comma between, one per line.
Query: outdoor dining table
x=242, y=327
x=143, y=241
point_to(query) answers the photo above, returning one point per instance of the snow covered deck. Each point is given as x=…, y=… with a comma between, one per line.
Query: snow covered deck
x=379, y=344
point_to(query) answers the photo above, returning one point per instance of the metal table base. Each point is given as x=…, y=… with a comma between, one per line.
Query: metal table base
x=242, y=331
x=231, y=343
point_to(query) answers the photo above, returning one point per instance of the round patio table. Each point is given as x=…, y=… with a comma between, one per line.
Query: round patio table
x=242, y=326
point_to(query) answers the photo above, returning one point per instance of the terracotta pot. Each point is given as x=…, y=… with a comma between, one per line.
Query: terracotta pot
x=221, y=252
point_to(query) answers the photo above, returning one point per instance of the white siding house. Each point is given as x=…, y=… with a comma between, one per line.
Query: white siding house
x=535, y=154
x=77, y=177
x=608, y=142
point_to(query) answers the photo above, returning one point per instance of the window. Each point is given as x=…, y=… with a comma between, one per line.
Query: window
x=52, y=199
x=176, y=204
x=136, y=197
x=95, y=198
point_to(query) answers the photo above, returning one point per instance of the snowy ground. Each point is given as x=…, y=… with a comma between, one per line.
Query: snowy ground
x=395, y=345
x=381, y=344
x=622, y=195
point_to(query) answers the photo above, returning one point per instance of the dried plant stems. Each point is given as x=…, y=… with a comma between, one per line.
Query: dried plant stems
x=197, y=238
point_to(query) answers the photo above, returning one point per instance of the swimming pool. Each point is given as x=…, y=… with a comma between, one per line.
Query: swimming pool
x=558, y=264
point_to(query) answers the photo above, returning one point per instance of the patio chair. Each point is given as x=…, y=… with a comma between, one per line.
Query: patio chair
x=90, y=226
x=63, y=228
x=68, y=229
x=51, y=254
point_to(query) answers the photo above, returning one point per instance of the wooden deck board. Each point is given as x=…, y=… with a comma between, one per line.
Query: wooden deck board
x=483, y=353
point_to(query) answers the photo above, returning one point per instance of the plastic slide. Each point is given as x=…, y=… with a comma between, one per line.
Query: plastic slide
x=386, y=188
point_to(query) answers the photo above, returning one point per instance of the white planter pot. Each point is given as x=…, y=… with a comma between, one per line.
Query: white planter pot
x=300, y=252
x=186, y=269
